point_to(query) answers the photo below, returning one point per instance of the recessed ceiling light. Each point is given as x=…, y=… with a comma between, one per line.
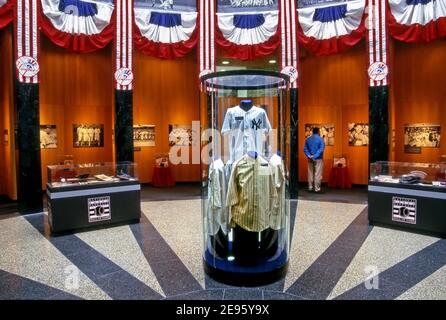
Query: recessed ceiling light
x=225, y=62
x=223, y=69
x=272, y=61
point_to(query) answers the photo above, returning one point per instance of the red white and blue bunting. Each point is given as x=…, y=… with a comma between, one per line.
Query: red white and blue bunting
x=417, y=20
x=378, y=67
x=165, y=33
x=5, y=12
x=331, y=29
x=248, y=29
x=26, y=40
x=79, y=26
x=290, y=48
x=123, y=45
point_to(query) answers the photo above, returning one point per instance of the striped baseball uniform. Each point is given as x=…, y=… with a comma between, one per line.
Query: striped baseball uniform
x=277, y=218
x=251, y=194
x=217, y=213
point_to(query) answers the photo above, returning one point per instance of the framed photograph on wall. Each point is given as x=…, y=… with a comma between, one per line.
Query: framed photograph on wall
x=144, y=135
x=326, y=131
x=180, y=135
x=358, y=134
x=88, y=135
x=48, y=136
x=417, y=136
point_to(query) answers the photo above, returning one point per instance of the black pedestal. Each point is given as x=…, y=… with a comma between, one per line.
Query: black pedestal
x=414, y=208
x=124, y=125
x=86, y=206
x=294, y=144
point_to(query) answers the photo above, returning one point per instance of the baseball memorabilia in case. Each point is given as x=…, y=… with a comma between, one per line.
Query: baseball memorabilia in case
x=48, y=136
x=88, y=135
x=408, y=195
x=144, y=135
x=326, y=131
x=245, y=191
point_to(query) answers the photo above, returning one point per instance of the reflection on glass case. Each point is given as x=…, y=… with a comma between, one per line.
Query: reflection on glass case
x=427, y=174
x=90, y=173
x=245, y=160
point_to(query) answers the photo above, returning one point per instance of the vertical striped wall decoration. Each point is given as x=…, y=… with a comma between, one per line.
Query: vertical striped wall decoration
x=290, y=49
x=377, y=43
x=207, y=9
x=27, y=40
x=123, y=45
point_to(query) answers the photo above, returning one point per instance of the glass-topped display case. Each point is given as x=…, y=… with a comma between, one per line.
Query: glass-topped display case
x=91, y=173
x=244, y=164
x=410, y=196
x=91, y=194
x=422, y=174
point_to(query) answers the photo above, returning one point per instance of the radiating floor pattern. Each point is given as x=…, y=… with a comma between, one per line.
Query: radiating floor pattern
x=335, y=254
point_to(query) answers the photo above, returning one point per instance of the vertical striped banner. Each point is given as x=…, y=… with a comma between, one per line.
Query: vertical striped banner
x=124, y=45
x=378, y=69
x=27, y=40
x=207, y=14
x=290, y=49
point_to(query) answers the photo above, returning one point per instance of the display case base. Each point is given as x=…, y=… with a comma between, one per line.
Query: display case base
x=413, y=208
x=245, y=279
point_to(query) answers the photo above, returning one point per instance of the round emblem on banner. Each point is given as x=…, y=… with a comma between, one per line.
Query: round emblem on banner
x=27, y=66
x=378, y=71
x=291, y=72
x=124, y=76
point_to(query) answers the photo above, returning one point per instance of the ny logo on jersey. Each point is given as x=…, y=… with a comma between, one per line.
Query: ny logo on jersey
x=256, y=124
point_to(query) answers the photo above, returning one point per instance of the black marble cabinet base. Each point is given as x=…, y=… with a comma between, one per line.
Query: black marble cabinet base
x=430, y=207
x=28, y=130
x=69, y=209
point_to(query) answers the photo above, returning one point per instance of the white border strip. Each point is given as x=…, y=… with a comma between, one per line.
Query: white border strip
x=409, y=192
x=90, y=192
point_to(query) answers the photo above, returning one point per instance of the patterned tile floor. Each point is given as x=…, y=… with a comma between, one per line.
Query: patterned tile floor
x=333, y=252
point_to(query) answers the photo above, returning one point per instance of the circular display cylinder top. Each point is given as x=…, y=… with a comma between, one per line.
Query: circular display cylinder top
x=245, y=79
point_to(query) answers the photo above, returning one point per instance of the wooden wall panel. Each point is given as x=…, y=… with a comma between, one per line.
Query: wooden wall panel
x=334, y=90
x=165, y=92
x=419, y=95
x=7, y=150
x=75, y=89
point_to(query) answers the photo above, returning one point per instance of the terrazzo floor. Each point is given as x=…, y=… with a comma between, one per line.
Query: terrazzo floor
x=334, y=254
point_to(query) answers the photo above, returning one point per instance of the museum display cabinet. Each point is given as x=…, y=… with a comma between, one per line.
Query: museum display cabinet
x=410, y=196
x=244, y=165
x=92, y=194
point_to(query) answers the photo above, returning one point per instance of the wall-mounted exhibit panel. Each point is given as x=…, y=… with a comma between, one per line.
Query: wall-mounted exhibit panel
x=76, y=106
x=7, y=116
x=165, y=102
x=333, y=95
x=418, y=102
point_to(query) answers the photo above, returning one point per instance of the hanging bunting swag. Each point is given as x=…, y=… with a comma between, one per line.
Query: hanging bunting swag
x=5, y=12
x=247, y=29
x=76, y=25
x=165, y=32
x=417, y=20
x=332, y=29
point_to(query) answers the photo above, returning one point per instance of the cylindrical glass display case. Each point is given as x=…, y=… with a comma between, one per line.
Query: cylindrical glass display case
x=244, y=165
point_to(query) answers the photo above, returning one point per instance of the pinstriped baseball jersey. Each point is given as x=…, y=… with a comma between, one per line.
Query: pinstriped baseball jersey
x=247, y=130
x=251, y=194
x=217, y=213
x=277, y=218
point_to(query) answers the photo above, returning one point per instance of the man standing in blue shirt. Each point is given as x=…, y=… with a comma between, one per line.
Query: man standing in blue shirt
x=314, y=150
